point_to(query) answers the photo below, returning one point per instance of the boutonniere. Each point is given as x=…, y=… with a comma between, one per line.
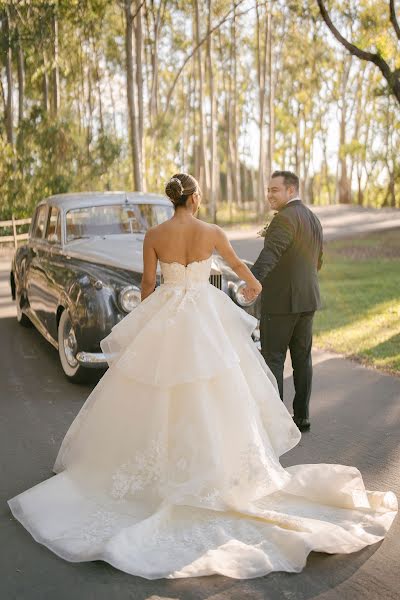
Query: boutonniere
x=263, y=231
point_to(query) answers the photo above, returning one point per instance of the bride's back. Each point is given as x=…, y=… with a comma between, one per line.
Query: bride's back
x=183, y=241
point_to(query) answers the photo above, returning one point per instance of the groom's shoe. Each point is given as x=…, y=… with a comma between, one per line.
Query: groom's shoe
x=302, y=423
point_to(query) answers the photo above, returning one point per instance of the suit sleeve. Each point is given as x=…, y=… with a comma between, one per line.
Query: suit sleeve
x=321, y=251
x=320, y=259
x=278, y=238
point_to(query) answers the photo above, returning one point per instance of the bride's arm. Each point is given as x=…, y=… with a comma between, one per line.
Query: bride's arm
x=149, y=266
x=224, y=248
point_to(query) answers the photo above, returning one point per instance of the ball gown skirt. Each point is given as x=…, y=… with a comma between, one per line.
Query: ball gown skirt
x=171, y=468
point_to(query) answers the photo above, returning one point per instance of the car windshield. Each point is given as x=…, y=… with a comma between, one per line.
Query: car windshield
x=92, y=221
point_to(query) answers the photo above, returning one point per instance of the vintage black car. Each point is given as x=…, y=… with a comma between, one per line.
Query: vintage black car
x=80, y=271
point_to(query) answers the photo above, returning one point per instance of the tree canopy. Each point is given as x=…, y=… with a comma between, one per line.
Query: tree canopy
x=120, y=94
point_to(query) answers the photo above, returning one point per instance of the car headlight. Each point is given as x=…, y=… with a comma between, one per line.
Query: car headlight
x=129, y=298
x=237, y=290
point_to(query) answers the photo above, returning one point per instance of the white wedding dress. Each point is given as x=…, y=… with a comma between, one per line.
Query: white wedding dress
x=171, y=468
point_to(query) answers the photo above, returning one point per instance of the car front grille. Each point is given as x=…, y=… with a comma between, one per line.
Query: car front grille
x=215, y=279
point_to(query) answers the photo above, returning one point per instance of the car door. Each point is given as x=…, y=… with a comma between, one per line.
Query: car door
x=35, y=278
x=52, y=270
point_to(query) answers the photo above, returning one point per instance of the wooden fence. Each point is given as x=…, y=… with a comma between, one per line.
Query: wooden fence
x=14, y=223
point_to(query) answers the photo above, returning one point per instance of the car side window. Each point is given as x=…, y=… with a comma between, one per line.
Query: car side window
x=58, y=227
x=53, y=230
x=33, y=224
x=40, y=222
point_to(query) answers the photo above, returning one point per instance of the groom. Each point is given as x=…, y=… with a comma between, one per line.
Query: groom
x=287, y=268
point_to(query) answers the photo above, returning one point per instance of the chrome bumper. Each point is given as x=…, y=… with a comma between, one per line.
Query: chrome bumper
x=95, y=360
x=256, y=338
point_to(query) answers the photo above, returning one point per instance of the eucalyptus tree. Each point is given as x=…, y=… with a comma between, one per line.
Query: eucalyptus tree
x=375, y=30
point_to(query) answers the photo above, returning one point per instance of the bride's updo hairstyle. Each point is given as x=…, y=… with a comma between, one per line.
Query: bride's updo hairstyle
x=180, y=187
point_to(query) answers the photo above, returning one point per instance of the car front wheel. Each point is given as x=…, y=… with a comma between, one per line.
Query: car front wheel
x=68, y=349
x=21, y=316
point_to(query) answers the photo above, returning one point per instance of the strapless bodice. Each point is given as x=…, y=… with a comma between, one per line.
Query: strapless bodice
x=194, y=274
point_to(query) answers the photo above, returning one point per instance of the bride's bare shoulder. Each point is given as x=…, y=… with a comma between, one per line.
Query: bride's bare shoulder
x=219, y=232
x=151, y=232
x=212, y=230
x=171, y=223
x=157, y=230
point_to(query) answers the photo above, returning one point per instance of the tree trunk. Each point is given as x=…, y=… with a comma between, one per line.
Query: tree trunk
x=45, y=85
x=113, y=105
x=213, y=124
x=84, y=77
x=132, y=112
x=271, y=96
x=9, y=116
x=148, y=58
x=297, y=141
x=158, y=20
x=194, y=122
x=204, y=165
x=391, y=155
x=78, y=104
x=90, y=107
x=235, y=145
x=261, y=77
x=331, y=197
x=98, y=87
x=55, y=70
x=358, y=116
x=21, y=81
x=187, y=92
x=344, y=191
x=227, y=92
x=392, y=190
x=360, y=194
x=138, y=30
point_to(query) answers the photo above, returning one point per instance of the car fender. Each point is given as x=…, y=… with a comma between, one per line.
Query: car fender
x=93, y=311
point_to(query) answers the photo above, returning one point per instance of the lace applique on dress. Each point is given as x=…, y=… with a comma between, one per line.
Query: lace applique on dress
x=134, y=475
x=211, y=497
x=100, y=526
x=186, y=297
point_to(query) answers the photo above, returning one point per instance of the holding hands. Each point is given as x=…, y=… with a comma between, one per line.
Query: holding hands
x=250, y=292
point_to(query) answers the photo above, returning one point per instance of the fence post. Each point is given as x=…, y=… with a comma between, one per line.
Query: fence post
x=14, y=231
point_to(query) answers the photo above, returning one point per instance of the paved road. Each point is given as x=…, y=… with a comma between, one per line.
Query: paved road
x=337, y=221
x=356, y=421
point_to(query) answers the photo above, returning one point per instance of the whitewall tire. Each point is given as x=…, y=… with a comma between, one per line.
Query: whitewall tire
x=68, y=349
x=21, y=316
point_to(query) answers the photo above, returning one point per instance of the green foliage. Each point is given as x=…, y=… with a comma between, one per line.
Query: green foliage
x=49, y=158
x=84, y=144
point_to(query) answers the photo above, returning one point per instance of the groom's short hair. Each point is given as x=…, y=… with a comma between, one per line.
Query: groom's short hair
x=289, y=178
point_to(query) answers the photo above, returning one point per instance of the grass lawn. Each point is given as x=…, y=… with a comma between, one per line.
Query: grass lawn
x=360, y=286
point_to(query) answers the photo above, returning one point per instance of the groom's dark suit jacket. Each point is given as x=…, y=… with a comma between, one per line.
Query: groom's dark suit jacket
x=288, y=264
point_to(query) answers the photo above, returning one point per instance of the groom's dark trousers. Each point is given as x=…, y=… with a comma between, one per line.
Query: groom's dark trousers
x=287, y=268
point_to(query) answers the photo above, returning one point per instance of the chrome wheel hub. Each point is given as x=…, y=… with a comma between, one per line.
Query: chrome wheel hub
x=70, y=345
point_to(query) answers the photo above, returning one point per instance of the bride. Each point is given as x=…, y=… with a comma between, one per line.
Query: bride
x=171, y=468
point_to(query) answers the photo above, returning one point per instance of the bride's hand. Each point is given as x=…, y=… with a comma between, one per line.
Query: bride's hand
x=251, y=292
